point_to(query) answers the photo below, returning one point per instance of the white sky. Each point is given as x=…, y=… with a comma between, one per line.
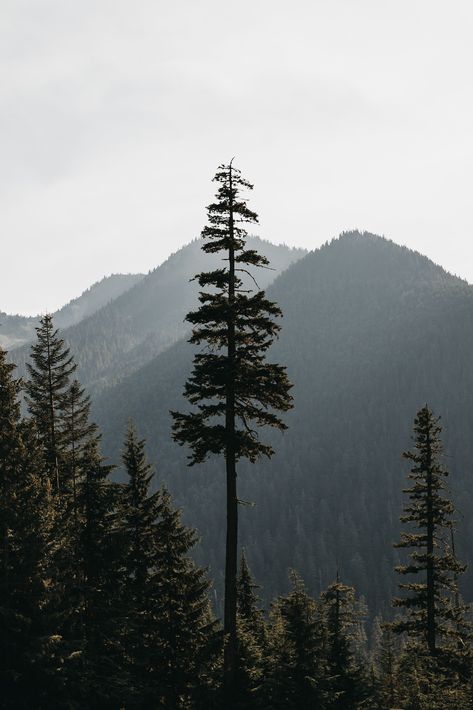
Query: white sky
x=114, y=115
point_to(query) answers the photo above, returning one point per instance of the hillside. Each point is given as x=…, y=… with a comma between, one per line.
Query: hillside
x=371, y=332
x=16, y=330
x=130, y=330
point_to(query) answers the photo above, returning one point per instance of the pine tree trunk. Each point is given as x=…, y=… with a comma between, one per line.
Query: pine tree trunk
x=231, y=552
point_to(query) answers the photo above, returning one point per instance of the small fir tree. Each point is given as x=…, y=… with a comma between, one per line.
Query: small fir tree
x=49, y=381
x=348, y=686
x=296, y=668
x=433, y=614
x=251, y=639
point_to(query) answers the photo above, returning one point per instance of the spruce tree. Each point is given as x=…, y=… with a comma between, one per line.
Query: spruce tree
x=77, y=430
x=387, y=651
x=232, y=388
x=96, y=669
x=348, y=686
x=186, y=634
x=171, y=635
x=139, y=511
x=49, y=381
x=432, y=615
x=251, y=639
x=27, y=640
x=296, y=669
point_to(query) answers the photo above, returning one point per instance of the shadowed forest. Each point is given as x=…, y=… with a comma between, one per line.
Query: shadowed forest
x=242, y=480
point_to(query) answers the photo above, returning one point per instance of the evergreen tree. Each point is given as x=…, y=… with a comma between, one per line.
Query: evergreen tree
x=296, y=670
x=249, y=609
x=233, y=387
x=251, y=639
x=386, y=654
x=49, y=381
x=139, y=511
x=186, y=635
x=171, y=635
x=27, y=639
x=76, y=432
x=432, y=612
x=96, y=668
x=347, y=684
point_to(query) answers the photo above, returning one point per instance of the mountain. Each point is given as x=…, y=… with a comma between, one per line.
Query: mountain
x=16, y=330
x=129, y=331
x=371, y=332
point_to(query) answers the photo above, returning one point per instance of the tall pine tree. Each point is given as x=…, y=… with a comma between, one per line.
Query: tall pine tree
x=233, y=389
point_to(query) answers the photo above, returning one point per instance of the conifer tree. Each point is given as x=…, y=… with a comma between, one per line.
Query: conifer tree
x=96, y=669
x=387, y=651
x=172, y=637
x=49, y=381
x=139, y=511
x=185, y=630
x=27, y=638
x=235, y=391
x=347, y=684
x=249, y=609
x=77, y=430
x=251, y=639
x=432, y=612
x=296, y=666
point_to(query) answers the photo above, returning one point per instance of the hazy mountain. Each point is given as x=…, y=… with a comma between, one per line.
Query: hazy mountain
x=130, y=330
x=371, y=332
x=15, y=330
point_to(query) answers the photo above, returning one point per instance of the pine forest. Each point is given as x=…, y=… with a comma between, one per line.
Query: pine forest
x=241, y=481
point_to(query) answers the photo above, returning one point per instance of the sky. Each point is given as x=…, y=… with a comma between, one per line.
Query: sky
x=115, y=114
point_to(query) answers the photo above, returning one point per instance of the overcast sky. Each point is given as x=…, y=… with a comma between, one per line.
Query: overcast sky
x=115, y=114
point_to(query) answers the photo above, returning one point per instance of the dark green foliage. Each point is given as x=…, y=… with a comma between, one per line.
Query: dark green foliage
x=46, y=389
x=171, y=635
x=76, y=432
x=424, y=682
x=252, y=639
x=239, y=327
x=27, y=639
x=248, y=602
x=296, y=667
x=347, y=684
x=433, y=613
x=95, y=666
x=386, y=653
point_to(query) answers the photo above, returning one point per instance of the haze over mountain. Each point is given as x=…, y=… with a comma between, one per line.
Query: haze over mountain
x=130, y=330
x=371, y=332
x=15, y=330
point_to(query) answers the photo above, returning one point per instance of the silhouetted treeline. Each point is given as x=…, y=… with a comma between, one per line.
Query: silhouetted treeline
x=101, y=604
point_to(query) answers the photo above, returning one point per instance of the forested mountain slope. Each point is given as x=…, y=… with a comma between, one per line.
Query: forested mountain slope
x=371, y=332
x=130, y=330
x=15, y=330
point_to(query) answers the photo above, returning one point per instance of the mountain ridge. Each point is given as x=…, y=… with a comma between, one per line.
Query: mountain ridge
x=379, y=330
x=18, y=330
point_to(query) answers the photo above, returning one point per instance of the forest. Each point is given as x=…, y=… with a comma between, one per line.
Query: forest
x=303, y=539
